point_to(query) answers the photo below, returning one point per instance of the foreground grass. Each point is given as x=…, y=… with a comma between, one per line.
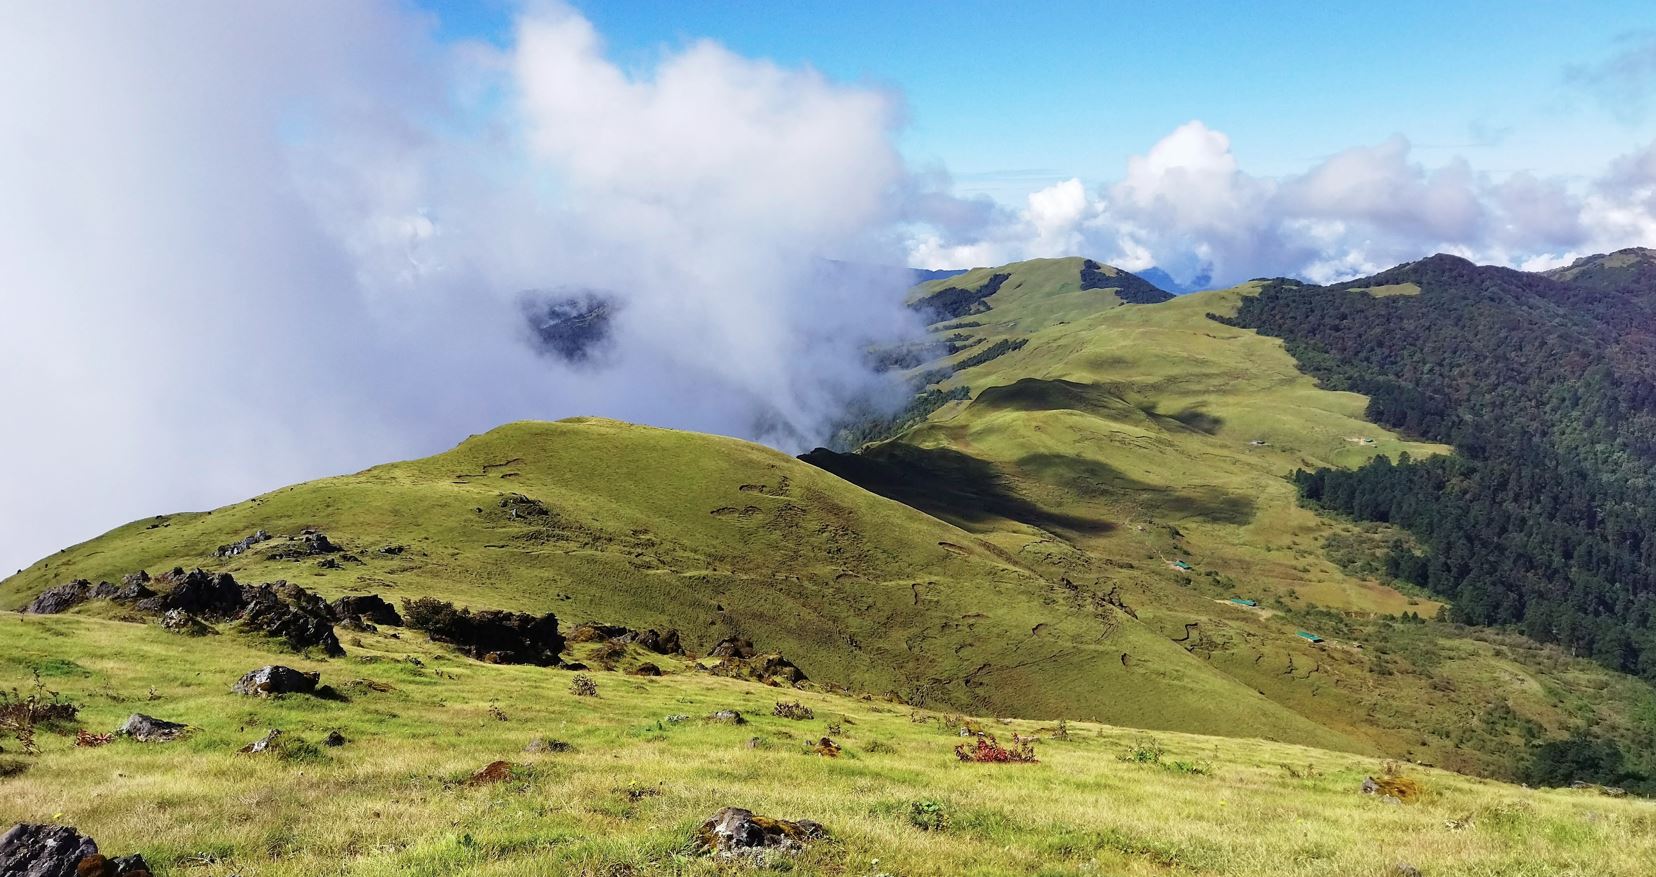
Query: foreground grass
x=395, y=799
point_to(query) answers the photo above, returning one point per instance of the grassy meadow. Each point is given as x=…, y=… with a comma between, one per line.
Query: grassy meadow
x=397, y=798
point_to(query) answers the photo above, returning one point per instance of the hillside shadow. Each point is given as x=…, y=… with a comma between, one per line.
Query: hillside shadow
x=1095, y=479
x=946, y=484
x=1035, y=394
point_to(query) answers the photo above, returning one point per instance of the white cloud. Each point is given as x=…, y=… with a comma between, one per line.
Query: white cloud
x=1188, y=207
x=242, y=245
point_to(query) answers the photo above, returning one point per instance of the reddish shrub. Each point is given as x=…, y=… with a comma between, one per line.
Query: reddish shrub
x=987, y=749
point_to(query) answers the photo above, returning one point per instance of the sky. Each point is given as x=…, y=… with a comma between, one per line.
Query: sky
x=243, y=245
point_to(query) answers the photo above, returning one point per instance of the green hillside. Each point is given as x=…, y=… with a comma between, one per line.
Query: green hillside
x=654, y=528
x=1110, y=443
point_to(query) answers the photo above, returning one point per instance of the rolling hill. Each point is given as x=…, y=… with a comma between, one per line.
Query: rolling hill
x=1112, y=442
x=1091, y=529
x=718, y=538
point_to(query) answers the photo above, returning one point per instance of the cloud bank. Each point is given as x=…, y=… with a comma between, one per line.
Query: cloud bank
x=1188, y=207
x=243, y=245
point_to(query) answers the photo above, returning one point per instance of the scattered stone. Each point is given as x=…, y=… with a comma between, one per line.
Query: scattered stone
x=489, y=635
x=392, y=550
x=793, y=709
x=1404, y=869
x=365, y=609
x=61, y=598
x=518, y=506
x=728, y=717
x=646, y=670
x=676, y=719
x=307, y=544
x=148, y=729
x=733, y=647
x=276, y=679
x=651, y=640
x=735, y=833
x=238, y=547
x=180, y=622
x=334, y=738
x=768, y=669
x=494, y=772
x=541, y=745
x=263, y=744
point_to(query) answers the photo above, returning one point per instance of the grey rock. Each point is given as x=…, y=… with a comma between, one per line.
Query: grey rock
x=148, y=729
x=263, y=744
x=33, y=850
x=276, y=679
x=733, y=832
x=61, y=598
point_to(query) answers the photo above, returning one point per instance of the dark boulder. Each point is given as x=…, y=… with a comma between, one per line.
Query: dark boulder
x=647, y=670
x=204, y=594
x=660, y=643
x=595, y=632
x=32, y=850
x=61, y=598
x=733, y=647
x=769, y=669
x=334, y=738
x=148, y=729
x=365, y=609
x=291, y=613
x=276, y=679
x=734, y=832
x=488, y=635
x=130, y=590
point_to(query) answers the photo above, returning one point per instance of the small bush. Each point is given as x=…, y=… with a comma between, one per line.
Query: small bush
x=87, y=739
x=880, y=747
x=988, y=750
x=21, y=714
x=1144, y=750
x=609, y=654
x=928, y=815
x=583, y=686
x=793, y=709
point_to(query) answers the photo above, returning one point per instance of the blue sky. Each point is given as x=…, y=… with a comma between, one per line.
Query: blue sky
x=1012, y=97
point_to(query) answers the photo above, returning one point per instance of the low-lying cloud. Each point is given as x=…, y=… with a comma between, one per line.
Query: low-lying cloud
x=247, y=244
x=1188, y=207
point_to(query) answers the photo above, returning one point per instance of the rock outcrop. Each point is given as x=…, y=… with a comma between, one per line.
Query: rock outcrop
x=61, y=598
x=736, y=833
x=489, y=635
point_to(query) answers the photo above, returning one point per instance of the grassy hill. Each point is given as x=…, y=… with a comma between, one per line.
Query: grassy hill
x=1111, y=443
x=641, y=765
x=1095, y=526
x=716, y=537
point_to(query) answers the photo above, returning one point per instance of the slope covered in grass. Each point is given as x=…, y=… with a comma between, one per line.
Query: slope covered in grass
x=643, y=766
x=1147, y=448
x=660, y=529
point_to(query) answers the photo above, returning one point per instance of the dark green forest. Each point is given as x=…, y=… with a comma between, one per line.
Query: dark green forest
x=1545, y=517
